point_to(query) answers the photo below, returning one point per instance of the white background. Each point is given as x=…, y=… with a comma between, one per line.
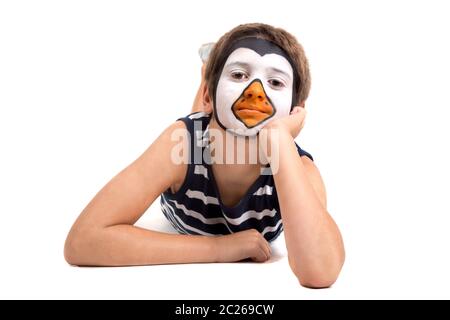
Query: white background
x=86, y=86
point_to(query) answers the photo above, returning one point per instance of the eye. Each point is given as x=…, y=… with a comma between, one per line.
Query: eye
x=276, y=83
x=239, y=75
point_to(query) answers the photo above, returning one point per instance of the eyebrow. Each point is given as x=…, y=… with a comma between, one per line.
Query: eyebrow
x=238, y=64
x=247, y=65
x=281, y=71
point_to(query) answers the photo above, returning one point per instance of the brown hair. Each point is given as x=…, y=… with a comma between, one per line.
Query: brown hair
x=278, y=36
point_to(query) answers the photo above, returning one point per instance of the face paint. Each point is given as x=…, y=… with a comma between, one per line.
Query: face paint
x=255, y=86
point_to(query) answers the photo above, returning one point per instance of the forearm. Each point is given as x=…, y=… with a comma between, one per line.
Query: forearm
x=126, y=245
x=314, y=243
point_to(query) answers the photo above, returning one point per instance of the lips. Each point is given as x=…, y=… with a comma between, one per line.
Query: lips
x=253, y=106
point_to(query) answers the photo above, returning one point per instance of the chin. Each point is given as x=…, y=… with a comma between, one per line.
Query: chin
x=246, y=132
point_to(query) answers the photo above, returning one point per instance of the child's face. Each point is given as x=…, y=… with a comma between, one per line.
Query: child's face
x=253, y=88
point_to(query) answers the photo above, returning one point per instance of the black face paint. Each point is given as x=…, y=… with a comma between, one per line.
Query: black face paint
x=262, y=47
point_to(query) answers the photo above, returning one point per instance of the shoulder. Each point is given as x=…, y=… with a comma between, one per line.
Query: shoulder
x=167, y=154
x=196, y=121
x=174, y=146
x=196, y=116
x=182, y=127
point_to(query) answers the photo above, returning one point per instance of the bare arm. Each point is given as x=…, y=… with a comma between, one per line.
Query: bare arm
x=104, y=234
x=314, y=243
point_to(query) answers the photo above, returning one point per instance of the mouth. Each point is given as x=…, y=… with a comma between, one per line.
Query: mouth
x=251, y=110
x=253, y=106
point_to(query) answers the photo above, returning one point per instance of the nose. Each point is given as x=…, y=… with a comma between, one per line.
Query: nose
x=255, y=91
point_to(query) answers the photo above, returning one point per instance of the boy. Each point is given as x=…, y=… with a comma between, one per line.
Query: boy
x=255, y=87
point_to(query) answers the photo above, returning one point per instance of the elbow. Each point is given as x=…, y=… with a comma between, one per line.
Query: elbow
x=318, y=277
x=72, y=250
x=75, y=247
x=316, y=281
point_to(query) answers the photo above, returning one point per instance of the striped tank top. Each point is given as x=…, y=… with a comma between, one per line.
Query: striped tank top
x=196, y=208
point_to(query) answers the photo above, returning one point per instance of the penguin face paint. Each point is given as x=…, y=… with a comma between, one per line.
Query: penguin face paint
x=255, y=86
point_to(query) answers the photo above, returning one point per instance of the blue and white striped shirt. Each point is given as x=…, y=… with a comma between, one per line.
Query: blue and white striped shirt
x=196, y=208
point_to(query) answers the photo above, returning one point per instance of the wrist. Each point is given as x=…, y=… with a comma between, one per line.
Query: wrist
x=271, y=138
x=275, y=129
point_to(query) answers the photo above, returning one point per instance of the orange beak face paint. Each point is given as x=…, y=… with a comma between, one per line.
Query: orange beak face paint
x=253, y=106
x=255, y=87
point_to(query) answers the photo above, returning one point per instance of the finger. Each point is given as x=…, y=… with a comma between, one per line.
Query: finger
x=295, y=110
x=297, y=117
x=259, y=256
x=265, y=248
x=301, y=114
x=203, y=72
x=303, y=124
x=270, y=249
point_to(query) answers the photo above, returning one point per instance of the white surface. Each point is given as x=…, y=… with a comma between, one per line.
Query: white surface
x=86, y=86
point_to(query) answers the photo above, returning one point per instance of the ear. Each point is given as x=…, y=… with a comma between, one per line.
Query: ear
x=207, y=102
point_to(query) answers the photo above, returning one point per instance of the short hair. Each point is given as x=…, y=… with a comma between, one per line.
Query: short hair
x=278, y=36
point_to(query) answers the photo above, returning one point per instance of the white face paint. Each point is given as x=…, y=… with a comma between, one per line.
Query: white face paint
x=252, y=90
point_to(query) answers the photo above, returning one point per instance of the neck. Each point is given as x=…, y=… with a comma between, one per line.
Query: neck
x=233, y=150
x=233, y=176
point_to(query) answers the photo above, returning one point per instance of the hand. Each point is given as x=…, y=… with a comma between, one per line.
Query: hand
x=203, y=72
x=293, y=123
x=242, y=245
x=198, y=101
